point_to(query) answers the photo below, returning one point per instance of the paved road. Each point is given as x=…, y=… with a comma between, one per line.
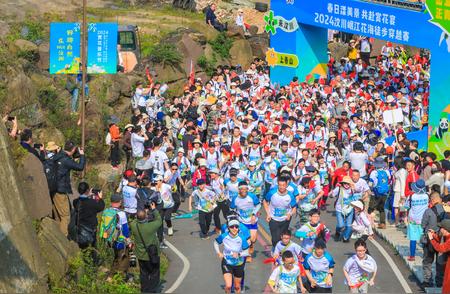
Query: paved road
x=204, y=275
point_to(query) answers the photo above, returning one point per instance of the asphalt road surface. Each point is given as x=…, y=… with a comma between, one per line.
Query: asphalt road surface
x=200, y=270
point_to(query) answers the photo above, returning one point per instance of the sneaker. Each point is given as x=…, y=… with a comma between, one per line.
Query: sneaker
x=163, y=246
x=217, y=231
x=381, y=226
x=204, y=237
x=170, y=231
x=346, y=240
x=249, y=259
x=426, y=285
x=411, y=258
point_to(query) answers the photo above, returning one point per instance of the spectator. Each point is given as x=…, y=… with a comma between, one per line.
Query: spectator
x=211, y=19
x=119, y=237
x=66, y=163
x=147, y=251
x=436, y=178
x=400, y=175
x=26, y=141
x=129, y=197
x=430, y=219
x=114, y=131
x=418, y=203
x=127, y=143
x=13, y=131
x=442, y=247
x=241, y=23
x=87, y=206
x=138, y=137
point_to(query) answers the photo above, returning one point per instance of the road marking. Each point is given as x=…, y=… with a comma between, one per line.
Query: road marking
x=265, y=235
x=394, y=267
x=186, y=267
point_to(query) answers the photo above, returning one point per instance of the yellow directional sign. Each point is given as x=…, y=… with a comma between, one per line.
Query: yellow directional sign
x=274, y=58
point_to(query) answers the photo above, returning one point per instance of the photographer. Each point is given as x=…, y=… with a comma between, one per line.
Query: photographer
x=12, y=132
x=429, y=222
x=66, y=163
x=443, y=248
x=146, y=247
x=87, y=206
x=26, y=141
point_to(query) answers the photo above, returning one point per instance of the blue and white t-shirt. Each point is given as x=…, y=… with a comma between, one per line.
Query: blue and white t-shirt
x=231, y=188
x=284, y=280
x=360, y=270
x=280, y=205
x=246, y=207
x=232, y=245
x=319, y=267
x=129, y=199
x=306, y=204
x=291, y=246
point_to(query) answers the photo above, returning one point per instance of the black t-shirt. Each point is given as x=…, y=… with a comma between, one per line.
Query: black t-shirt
x=210, y=16
x=89, y=208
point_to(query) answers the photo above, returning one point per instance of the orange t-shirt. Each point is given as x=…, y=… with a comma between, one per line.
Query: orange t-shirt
x=115, y=133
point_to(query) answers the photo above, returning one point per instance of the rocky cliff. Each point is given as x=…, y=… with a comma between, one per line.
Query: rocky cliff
x=22, y=267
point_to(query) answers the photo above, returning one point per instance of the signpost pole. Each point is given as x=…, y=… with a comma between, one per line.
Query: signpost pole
x=83, y=72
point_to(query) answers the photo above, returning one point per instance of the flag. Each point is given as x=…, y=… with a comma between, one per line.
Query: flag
x=328, y=90
x=321, y=81
x=309, y=79
x=149, y=76
x=353, y=74
x=192, y=75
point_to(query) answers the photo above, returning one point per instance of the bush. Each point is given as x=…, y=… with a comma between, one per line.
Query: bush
x=208, y=65
x=222, y=45
x=30, y=29
x=165, y=54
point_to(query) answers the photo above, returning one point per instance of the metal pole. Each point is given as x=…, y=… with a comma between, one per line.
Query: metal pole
x=83, y=73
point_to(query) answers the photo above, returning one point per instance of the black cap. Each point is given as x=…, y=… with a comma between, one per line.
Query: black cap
x=201, y=182
x=116, y=198
x=310, y=169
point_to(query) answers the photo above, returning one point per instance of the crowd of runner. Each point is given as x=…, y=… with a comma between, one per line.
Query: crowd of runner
x=237, y=145
x=239, y=148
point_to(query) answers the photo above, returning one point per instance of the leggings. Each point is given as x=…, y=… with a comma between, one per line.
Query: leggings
x=204, y=219
x=166, y=214
x=223, y=206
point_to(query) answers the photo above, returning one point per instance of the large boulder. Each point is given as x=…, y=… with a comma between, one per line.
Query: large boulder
x=44, y=56
x=190, y=50
x=259, y=44
x=55, y=249
x=24, y=45
x=22, y=267
x=44, y=135
x=241, y=53
x=20, y=90
x=34, y=184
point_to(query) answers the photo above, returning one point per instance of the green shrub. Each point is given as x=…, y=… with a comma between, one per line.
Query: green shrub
x=36, y=30
x=208, y=65
x=165, y=54
x=222, y=45
x=147, y=42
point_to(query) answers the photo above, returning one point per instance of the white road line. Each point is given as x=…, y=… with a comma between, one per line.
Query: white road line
x=394, y=267
x=186, y=267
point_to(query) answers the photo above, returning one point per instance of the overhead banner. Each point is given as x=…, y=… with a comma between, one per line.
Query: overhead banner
x=65, y=48
x=275, y=22
x=102, y=48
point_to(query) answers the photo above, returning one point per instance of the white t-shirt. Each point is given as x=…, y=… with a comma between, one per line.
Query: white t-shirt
x=137, y=145
x=285, y=281
x=358, y=161
x=157, y=158
x=166, y=195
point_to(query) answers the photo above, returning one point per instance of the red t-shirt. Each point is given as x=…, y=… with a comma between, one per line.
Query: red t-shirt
x=412, y=177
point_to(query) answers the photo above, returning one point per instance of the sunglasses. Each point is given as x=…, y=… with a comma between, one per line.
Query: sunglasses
x=174, y=168
x=234, y=227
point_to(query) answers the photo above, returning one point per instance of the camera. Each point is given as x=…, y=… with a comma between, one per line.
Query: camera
x=95, y=193
x=11, y=118
x=37, y=146
x=133, y=259
x=76, y=154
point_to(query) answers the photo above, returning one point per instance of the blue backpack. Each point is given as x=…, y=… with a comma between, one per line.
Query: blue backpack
x=382, y=188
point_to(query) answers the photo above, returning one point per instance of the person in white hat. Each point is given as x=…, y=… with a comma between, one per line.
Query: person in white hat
x=255, y=178
x=361, y=225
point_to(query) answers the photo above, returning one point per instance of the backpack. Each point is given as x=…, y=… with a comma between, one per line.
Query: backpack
x=109, y=231
x=108, y=139
x=51, y=173
x=444, y=215
x=382, y=187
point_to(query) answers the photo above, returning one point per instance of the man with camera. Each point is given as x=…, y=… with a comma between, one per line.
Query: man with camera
x=65, y=163
x=87, y=206
x=26, y=141
x=146, y=248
